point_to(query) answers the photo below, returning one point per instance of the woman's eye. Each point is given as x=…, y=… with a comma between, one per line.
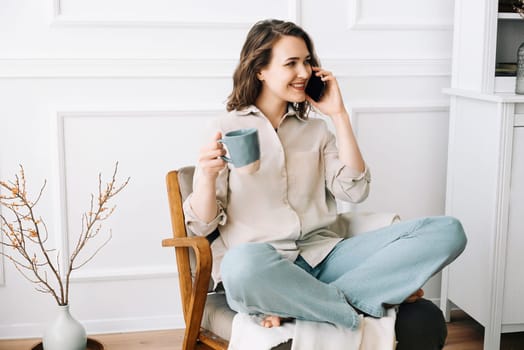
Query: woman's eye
x=290, y=64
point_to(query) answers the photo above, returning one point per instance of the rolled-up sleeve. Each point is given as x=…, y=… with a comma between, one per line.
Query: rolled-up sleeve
x=351, y=185
x=198, y=226
x=343, y=182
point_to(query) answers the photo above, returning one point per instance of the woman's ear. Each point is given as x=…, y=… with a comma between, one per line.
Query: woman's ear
x=260, y=76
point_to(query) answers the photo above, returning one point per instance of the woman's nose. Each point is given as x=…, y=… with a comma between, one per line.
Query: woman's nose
x=304, y=71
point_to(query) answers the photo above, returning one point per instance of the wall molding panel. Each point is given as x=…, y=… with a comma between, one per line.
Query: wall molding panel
x=64, y=18
x=116, y=68
x=136, y=323
x=62, y=205
x=127, y=274
x=402, y=67
x=357, y=20
x=21, y=330
x=206, y=69
x=400, y=107
x=295, y=11
x=394, y=108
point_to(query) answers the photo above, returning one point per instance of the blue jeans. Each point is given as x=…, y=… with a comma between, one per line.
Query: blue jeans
x=365, y=272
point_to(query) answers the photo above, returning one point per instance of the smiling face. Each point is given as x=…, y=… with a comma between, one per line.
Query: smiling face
x=285, y=78
x=262, y=78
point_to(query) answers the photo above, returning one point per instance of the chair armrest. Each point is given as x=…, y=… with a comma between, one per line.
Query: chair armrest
x=196, y=242
x=355, y=223
x=203, y=255
x=194, y=290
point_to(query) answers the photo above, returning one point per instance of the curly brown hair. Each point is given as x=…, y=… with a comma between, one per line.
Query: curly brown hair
x=256, y=54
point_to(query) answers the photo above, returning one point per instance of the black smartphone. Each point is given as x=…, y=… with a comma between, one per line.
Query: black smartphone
x=315, y=87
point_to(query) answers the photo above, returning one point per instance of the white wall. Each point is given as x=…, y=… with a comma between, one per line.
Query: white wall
x=86, y=83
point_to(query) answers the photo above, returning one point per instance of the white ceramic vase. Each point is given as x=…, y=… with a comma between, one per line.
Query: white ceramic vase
x=64, y=332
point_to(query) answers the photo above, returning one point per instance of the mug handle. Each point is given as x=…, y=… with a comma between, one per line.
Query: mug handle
x=227, y=159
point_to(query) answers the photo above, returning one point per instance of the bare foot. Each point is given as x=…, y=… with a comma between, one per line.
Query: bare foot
x=273, y=321
x=411, y=299
x=415, y=296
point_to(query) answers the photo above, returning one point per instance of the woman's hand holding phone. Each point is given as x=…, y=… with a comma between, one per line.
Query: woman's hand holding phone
x=330, y=103
x=315, y=87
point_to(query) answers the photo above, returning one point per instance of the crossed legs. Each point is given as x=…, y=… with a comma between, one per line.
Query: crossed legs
x=367, y=272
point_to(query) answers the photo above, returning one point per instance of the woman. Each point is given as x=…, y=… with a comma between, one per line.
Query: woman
x=278, y=252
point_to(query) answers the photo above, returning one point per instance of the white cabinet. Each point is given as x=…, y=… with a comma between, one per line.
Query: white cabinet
x=513, y=310
x=485, y=182
x=485, y=190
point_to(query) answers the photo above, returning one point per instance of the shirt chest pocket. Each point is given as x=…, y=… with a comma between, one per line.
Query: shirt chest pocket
x=305, y=172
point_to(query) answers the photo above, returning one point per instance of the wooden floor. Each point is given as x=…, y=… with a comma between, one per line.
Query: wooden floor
x=463, y=334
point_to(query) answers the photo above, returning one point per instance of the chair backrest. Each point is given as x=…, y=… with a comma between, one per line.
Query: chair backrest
x=185, y=181
x=179, y=186
x=175, y=200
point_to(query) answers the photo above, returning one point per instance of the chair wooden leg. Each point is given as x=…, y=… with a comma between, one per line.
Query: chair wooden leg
x=196, y=300
x=212, y=340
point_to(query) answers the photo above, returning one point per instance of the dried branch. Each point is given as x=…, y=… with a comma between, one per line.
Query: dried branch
x=518, y=6
x=96, y=252
x=26, y=234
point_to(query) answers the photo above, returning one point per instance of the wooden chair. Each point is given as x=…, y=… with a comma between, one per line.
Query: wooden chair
x=207, y=316
x=193, y=289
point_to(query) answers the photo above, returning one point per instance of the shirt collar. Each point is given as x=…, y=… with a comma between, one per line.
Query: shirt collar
x=252, y=109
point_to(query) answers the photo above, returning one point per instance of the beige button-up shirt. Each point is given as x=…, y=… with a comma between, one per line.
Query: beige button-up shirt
x=290, y=201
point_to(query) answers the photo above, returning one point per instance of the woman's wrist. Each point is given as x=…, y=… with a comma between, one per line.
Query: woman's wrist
x=341, y=120
x=208, y=179
x=341, y=115
x=203, y=200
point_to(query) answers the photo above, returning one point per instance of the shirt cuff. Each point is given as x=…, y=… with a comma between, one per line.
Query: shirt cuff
x=353, y=175
x=352, y=185
x=198, y=226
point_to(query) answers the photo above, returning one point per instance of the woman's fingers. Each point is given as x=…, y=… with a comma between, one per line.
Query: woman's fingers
x=213, y=149
x=210, y=160
x=331, y=103
x=212, y=153
x=325, y=75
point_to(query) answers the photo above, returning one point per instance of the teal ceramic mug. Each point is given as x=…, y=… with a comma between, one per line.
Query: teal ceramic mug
x=243, y=149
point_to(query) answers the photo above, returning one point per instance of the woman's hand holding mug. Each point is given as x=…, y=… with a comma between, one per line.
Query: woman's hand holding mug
x=210, y=160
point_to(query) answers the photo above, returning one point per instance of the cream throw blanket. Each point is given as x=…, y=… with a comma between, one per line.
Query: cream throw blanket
x=373, y=334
